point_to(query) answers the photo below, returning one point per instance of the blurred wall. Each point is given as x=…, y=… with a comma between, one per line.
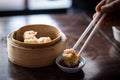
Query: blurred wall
x=86, y=5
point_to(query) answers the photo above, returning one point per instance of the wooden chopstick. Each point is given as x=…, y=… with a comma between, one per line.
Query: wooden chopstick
x=92, y=32
x=93, y=22
x=87, y=30
x=94, y=29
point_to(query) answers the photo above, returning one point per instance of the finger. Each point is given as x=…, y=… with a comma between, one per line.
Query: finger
x=110, y=7
x=112, y=20
x=94, y=15
x=98, y=7
x=110, y=23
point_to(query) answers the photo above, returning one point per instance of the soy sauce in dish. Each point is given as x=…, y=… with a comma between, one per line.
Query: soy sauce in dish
x=62, y=63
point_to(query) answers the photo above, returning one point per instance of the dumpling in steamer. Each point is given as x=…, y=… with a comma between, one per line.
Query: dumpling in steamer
x=29, y=34
x=31, y=40
x=44, y=40
x=29, y=37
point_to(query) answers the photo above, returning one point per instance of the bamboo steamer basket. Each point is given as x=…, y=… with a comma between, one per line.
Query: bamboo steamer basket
x=35, y=55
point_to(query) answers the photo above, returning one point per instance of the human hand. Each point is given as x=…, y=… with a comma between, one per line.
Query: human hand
x=112, y=11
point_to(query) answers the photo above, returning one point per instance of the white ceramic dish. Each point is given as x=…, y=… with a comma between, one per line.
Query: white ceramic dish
x=71, y=70
x=116, y=33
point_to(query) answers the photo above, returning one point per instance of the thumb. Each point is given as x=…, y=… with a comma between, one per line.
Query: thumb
x=111, y=7
x=98, y=7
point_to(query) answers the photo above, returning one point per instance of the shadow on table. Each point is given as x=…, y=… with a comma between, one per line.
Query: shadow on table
x=115, y=50
x=45, y=73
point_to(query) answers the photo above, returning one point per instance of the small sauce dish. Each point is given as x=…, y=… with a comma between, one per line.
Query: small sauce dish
x=116, y=33
x=70, y=69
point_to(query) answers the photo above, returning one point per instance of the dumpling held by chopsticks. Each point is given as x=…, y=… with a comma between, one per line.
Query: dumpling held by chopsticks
x=70, y=57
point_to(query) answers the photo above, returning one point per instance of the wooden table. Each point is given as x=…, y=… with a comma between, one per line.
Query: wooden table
x=102, y=52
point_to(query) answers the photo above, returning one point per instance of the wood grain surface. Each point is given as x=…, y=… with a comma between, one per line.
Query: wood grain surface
x=102, y=56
